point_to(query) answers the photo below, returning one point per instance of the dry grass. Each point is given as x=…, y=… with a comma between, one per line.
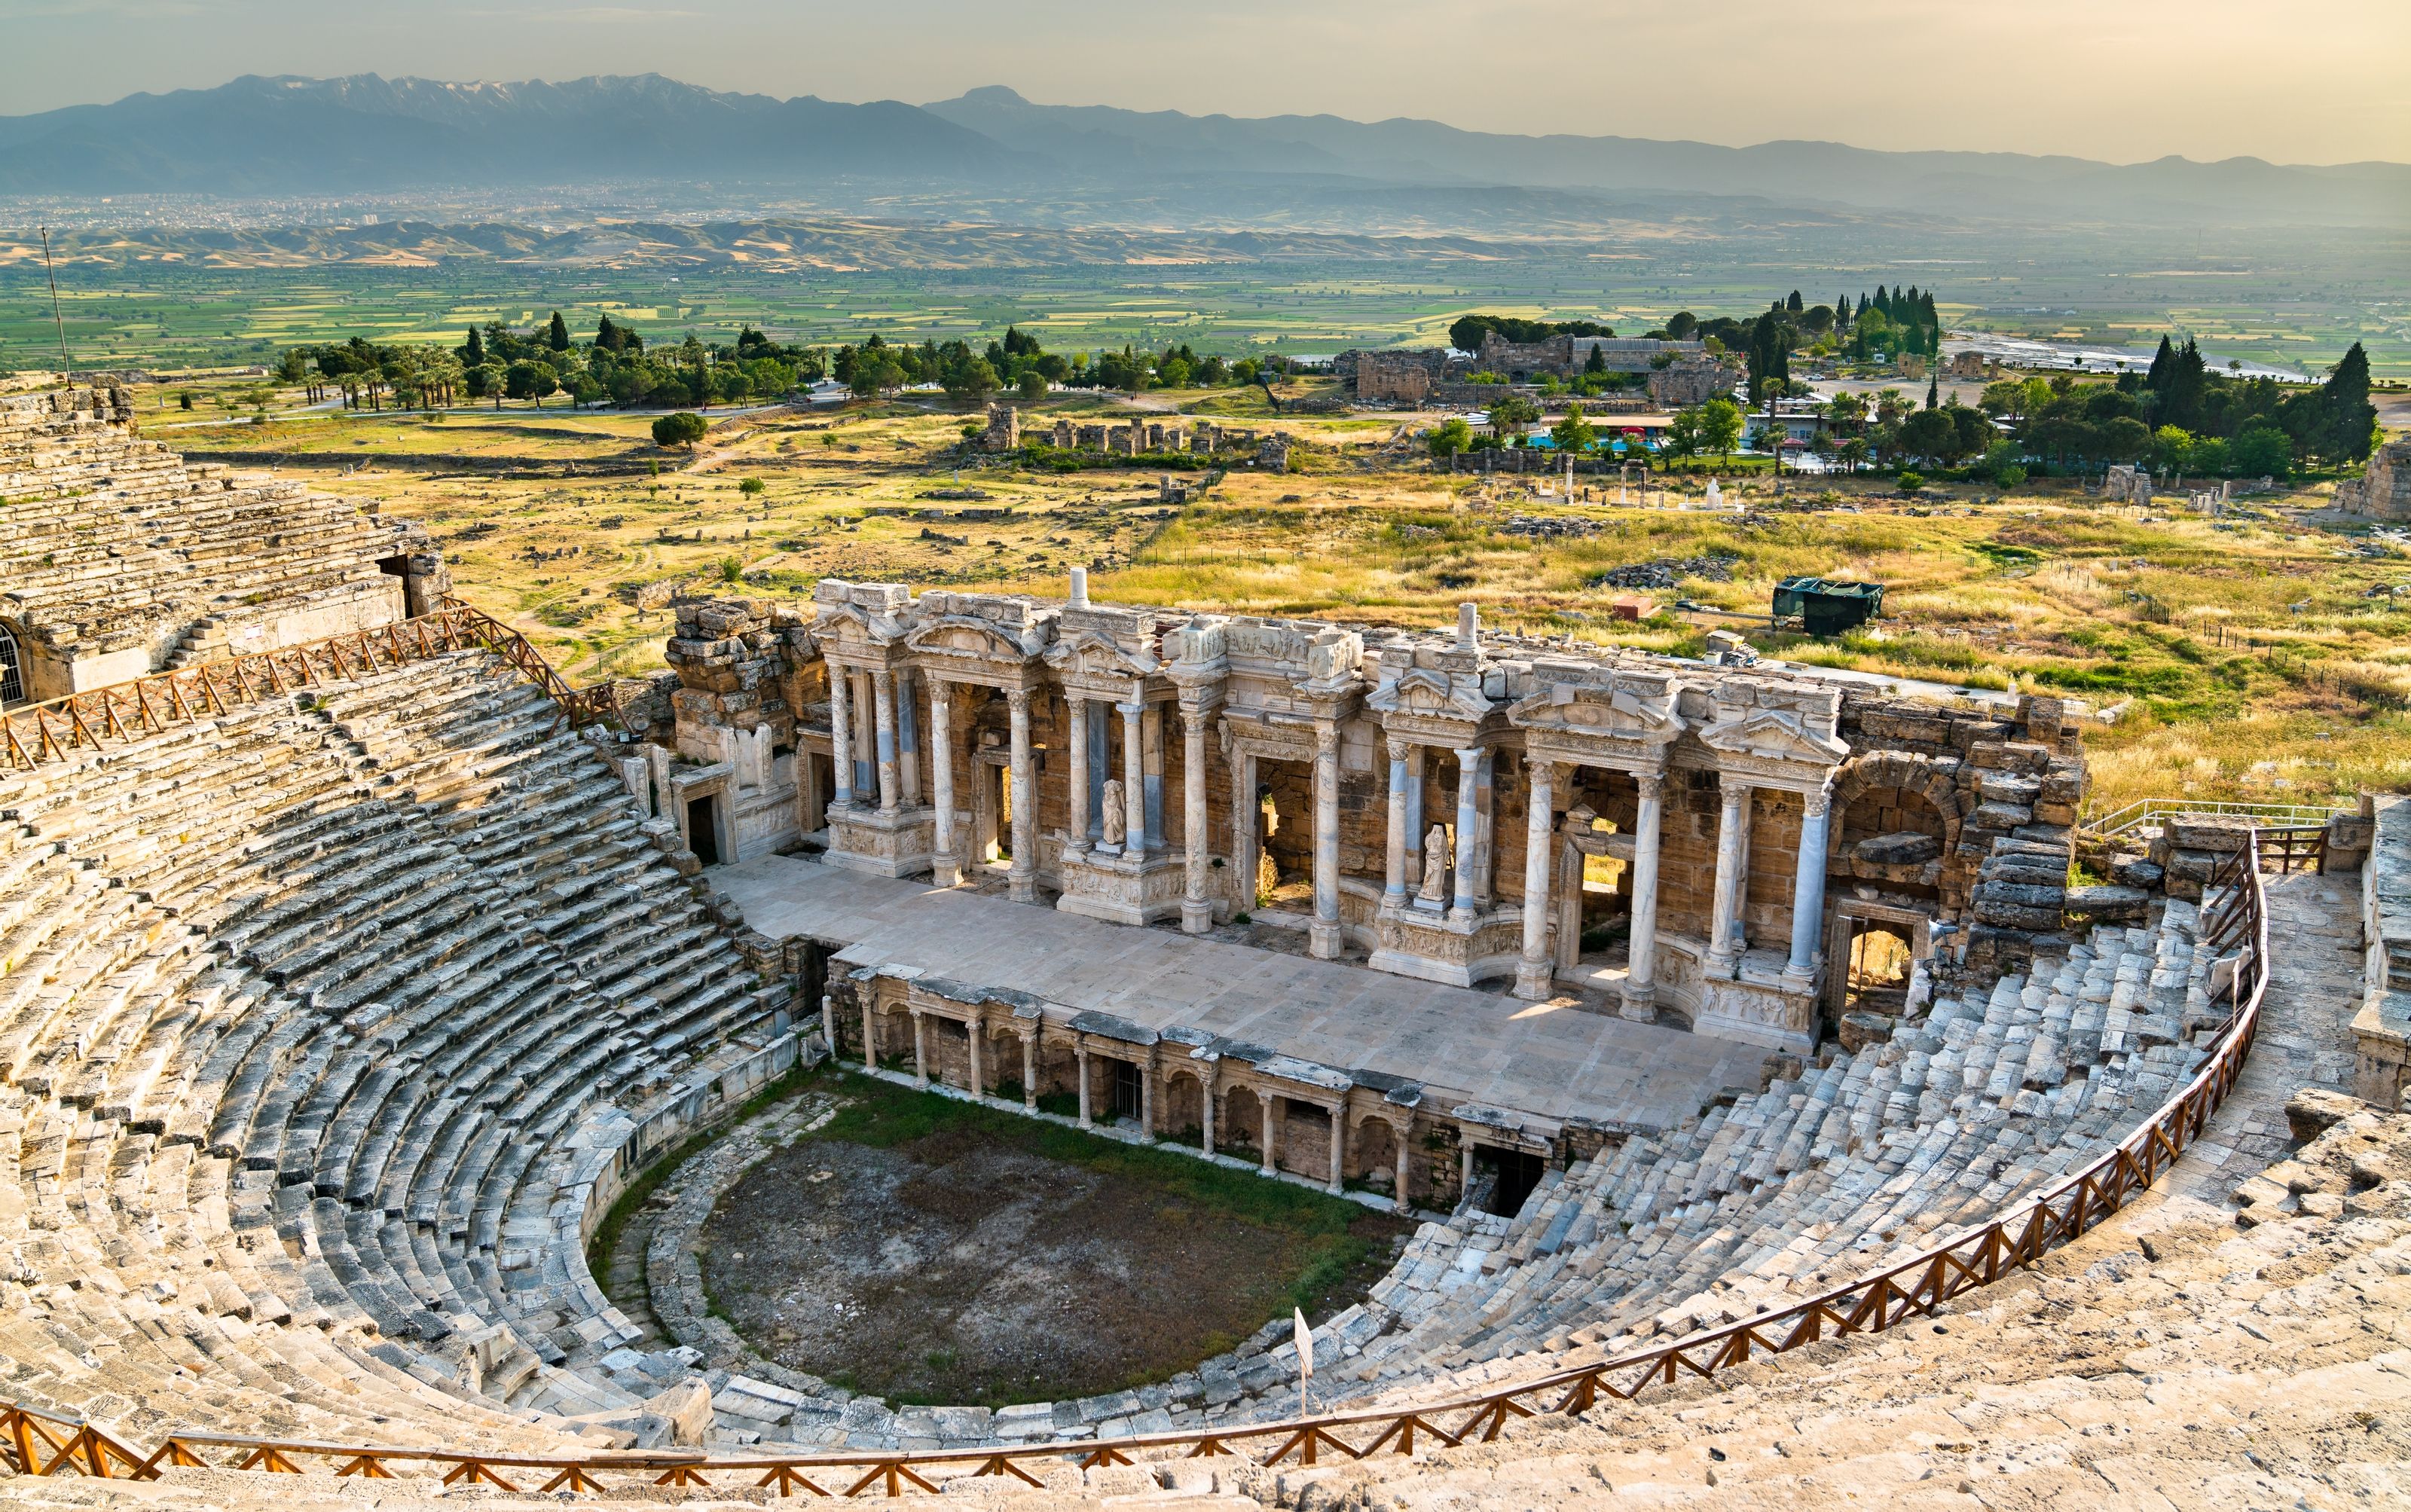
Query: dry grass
x=2250, y=657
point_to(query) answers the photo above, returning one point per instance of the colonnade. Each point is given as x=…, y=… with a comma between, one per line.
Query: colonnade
x=889, y=759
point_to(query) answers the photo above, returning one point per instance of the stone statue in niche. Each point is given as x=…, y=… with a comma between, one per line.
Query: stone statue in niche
x=1435, y=889
x=1116, y=815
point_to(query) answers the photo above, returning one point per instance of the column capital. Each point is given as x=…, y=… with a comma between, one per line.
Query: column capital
x=1467, y=755
x=1130, y=710
x=1735, y=785
x=1017, y=700
x=1540, y=766
x=1398, y=748
x=1819, y=801
x=1651, y=785
x=1326, y=735
x=882, y=677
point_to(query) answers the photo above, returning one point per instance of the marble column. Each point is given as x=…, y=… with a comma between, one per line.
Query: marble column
x=1732, y=862
x=1808, y=890
x=1206, y=1110
x=883, y=714
x=1399, y=1133
x=1134, y=781
x=870, y=1032
x=1080, y=1055
x=1030, y=1070
x=1022, y=878
x=974, y=1035
x=1322, y=935
x=1394, y=880
x=1641, y=977
x=1196, y=908
x=1265, y=1121
x=1534, y=975
x=1147, y=1101
x=907, y=739
x=946, y=863
x=1243, y=828
x=1077, y=835
x=920, y=1050
x=829, y=1024
x=1338, y=1144
x=841, y=736
x=1468, y=824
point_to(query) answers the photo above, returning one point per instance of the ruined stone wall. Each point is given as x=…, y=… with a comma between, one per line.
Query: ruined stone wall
x=2383, y=491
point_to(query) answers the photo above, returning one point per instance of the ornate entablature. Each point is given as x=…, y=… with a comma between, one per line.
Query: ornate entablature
x=1776, y=732
x=1434, y=692
x=1599, y=714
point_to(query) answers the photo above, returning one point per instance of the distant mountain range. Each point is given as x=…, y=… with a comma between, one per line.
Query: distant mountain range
x=369, y=135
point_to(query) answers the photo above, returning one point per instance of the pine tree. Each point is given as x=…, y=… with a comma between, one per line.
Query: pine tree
x=557, y=336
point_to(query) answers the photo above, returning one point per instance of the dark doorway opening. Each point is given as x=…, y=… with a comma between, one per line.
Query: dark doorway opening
x=1502, y=1179
x=1127, y=1092
x=703, y=829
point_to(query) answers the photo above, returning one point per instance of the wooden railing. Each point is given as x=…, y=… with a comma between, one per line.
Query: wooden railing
x=2294, y=848
x=33, y=733
x=1904, y=1290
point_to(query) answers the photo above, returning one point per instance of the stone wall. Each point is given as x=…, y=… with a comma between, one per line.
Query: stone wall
x=2383, y=491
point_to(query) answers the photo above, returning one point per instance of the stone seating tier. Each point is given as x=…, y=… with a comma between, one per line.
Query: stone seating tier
x=304, y=1013
x=108, y=541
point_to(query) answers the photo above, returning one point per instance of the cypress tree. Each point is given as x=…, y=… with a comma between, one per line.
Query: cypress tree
x=1933, y=392
x=1842, y=313
x=2162, y=361
x=1792, y=305
x=1883, y=302
x=474, y=355
x=2347, y=415
x=557, y=334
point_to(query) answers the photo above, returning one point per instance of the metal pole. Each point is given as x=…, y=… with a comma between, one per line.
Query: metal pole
x=66, y=367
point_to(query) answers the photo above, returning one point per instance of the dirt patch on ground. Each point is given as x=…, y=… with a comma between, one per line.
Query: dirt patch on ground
x=965, y=1266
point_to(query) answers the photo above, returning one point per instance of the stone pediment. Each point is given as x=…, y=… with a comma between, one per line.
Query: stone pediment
x=843, y=622
x=1420, y=691
x=968, y=635
x=1091, y=654
x=1616, y=713
x=1773, y=734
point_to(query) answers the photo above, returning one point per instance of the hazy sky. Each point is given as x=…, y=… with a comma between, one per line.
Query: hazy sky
x=2292, y=80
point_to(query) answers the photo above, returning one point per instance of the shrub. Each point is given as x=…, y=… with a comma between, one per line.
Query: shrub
x=682, y=429
x=749, y=488
x=1910, y=482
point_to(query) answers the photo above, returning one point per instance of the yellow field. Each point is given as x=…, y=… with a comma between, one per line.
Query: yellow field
x=2260, y=655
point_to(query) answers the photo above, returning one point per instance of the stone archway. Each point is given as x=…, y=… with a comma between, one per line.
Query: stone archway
x=1899, y=815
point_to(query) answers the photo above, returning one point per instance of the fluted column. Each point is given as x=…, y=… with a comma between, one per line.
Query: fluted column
x=1022, y=877
x=1077, y=831
x=1133, y=781
x=842, y=735
x=945, y=863
x=1641, y=977
x=1469, y=825
x=1732, y=862
x=882, y=715
x=1394, y=880
x=1322, y=935
x=1808, y=890
x=1196, y=908
x=1533, y=976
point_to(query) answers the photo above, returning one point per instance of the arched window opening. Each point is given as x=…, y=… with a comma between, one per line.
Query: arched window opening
x=13, y=673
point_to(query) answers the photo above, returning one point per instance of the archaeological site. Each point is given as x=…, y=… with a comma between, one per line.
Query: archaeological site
x=1769, y=1087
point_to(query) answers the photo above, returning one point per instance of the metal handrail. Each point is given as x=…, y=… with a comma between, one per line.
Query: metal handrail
x=2142, y=811
x=1902, y=1290
x=33, y=734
